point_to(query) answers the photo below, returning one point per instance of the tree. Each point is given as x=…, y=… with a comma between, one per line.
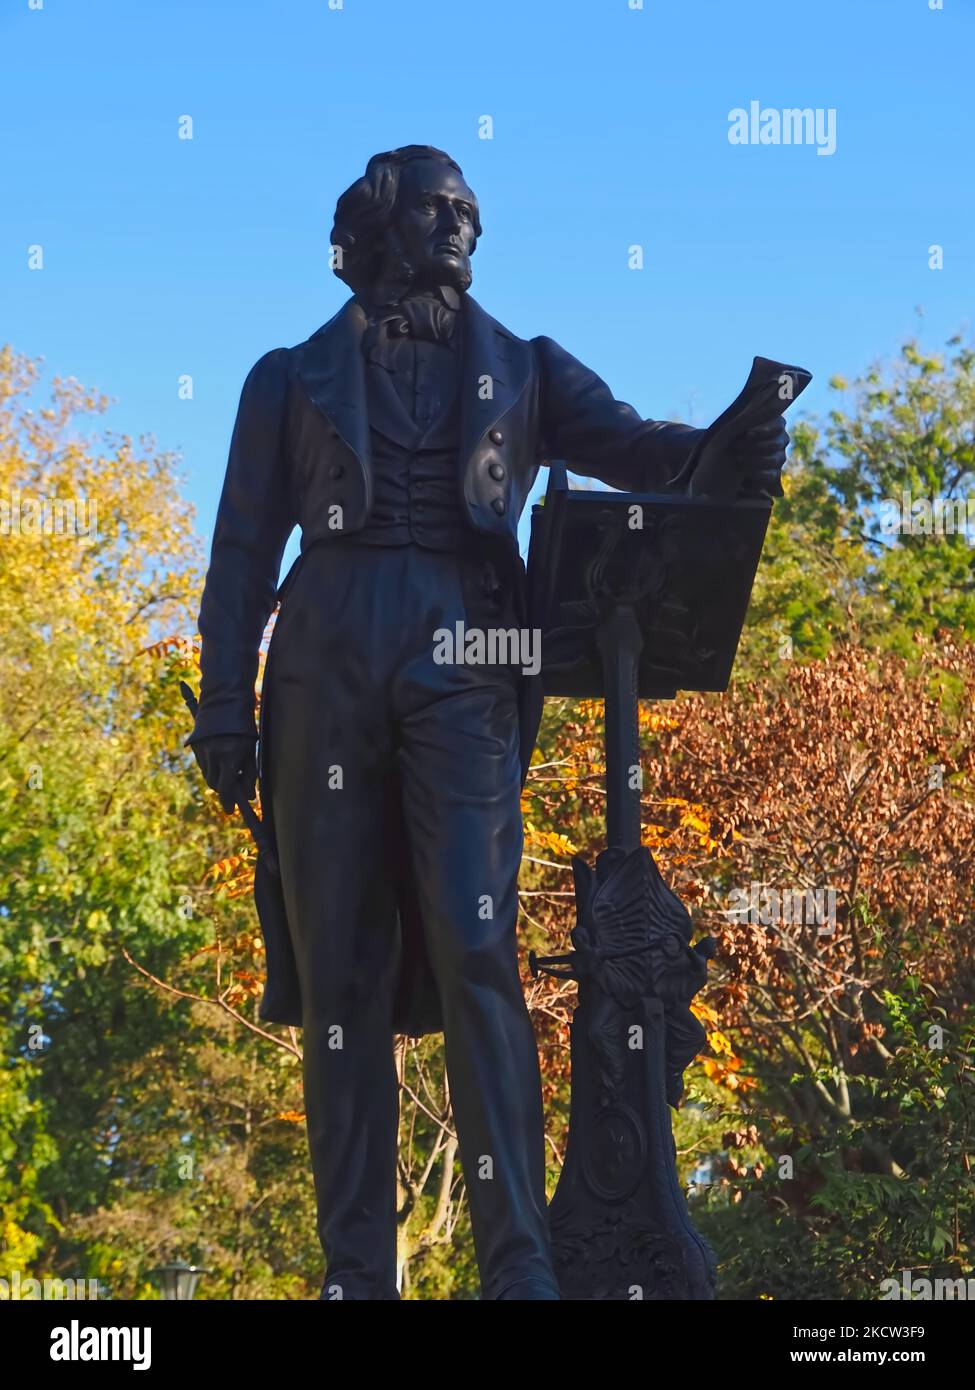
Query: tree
x=833, y=568
x=145, y=1113
x=104, y=837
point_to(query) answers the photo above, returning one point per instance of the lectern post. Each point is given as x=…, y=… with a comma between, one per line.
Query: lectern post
x=620, y=642
x=637, y=597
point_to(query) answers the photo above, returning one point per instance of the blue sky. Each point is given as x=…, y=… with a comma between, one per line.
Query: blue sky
x=165, y=256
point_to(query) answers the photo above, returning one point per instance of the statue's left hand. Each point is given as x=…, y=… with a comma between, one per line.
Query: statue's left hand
x=759, y=453
x=229, y=766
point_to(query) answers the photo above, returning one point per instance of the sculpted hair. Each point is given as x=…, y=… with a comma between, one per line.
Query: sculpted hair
x=371, y=256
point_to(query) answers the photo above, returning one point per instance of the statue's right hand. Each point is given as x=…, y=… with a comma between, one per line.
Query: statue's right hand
x=229, y=766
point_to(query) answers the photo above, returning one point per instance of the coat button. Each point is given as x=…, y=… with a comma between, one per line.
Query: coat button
x=496, y=471
x=497, y=506
x=337, y=470
x=496, y=437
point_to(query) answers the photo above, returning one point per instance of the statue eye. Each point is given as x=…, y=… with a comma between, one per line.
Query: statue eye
x=465, y=211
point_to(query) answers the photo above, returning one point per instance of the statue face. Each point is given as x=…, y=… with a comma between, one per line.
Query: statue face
x=434, y=217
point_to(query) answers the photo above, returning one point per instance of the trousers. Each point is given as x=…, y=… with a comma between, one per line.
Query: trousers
x=373, y=741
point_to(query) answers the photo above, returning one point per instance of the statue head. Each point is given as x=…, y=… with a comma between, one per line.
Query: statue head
x=410, y=222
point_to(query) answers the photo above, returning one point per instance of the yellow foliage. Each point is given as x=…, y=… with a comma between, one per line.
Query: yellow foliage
x=727, y=1074
x=703, y=1012
x=651, y=719
x=550, y=840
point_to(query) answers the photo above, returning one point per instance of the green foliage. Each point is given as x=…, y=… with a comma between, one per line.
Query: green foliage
x=104, y=841
x=831, y=570
x=892, y=1189
x=138, y=1126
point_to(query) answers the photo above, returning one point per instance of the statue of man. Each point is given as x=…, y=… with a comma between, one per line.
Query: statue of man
x=403, y=438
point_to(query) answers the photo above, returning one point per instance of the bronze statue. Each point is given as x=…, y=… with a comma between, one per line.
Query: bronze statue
x=404, y=438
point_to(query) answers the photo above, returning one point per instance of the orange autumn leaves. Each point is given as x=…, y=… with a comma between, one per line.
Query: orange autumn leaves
x=565, y=790
x=724, y=1068
x=823, y=779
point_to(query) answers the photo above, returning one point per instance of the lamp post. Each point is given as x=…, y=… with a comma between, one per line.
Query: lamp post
x=178, y=1280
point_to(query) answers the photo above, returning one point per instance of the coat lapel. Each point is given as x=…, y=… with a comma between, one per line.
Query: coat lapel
x=387, y=413
x=496, y=367
x=332, y=373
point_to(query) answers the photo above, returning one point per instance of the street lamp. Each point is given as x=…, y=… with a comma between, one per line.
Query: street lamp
x=178, y=1280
